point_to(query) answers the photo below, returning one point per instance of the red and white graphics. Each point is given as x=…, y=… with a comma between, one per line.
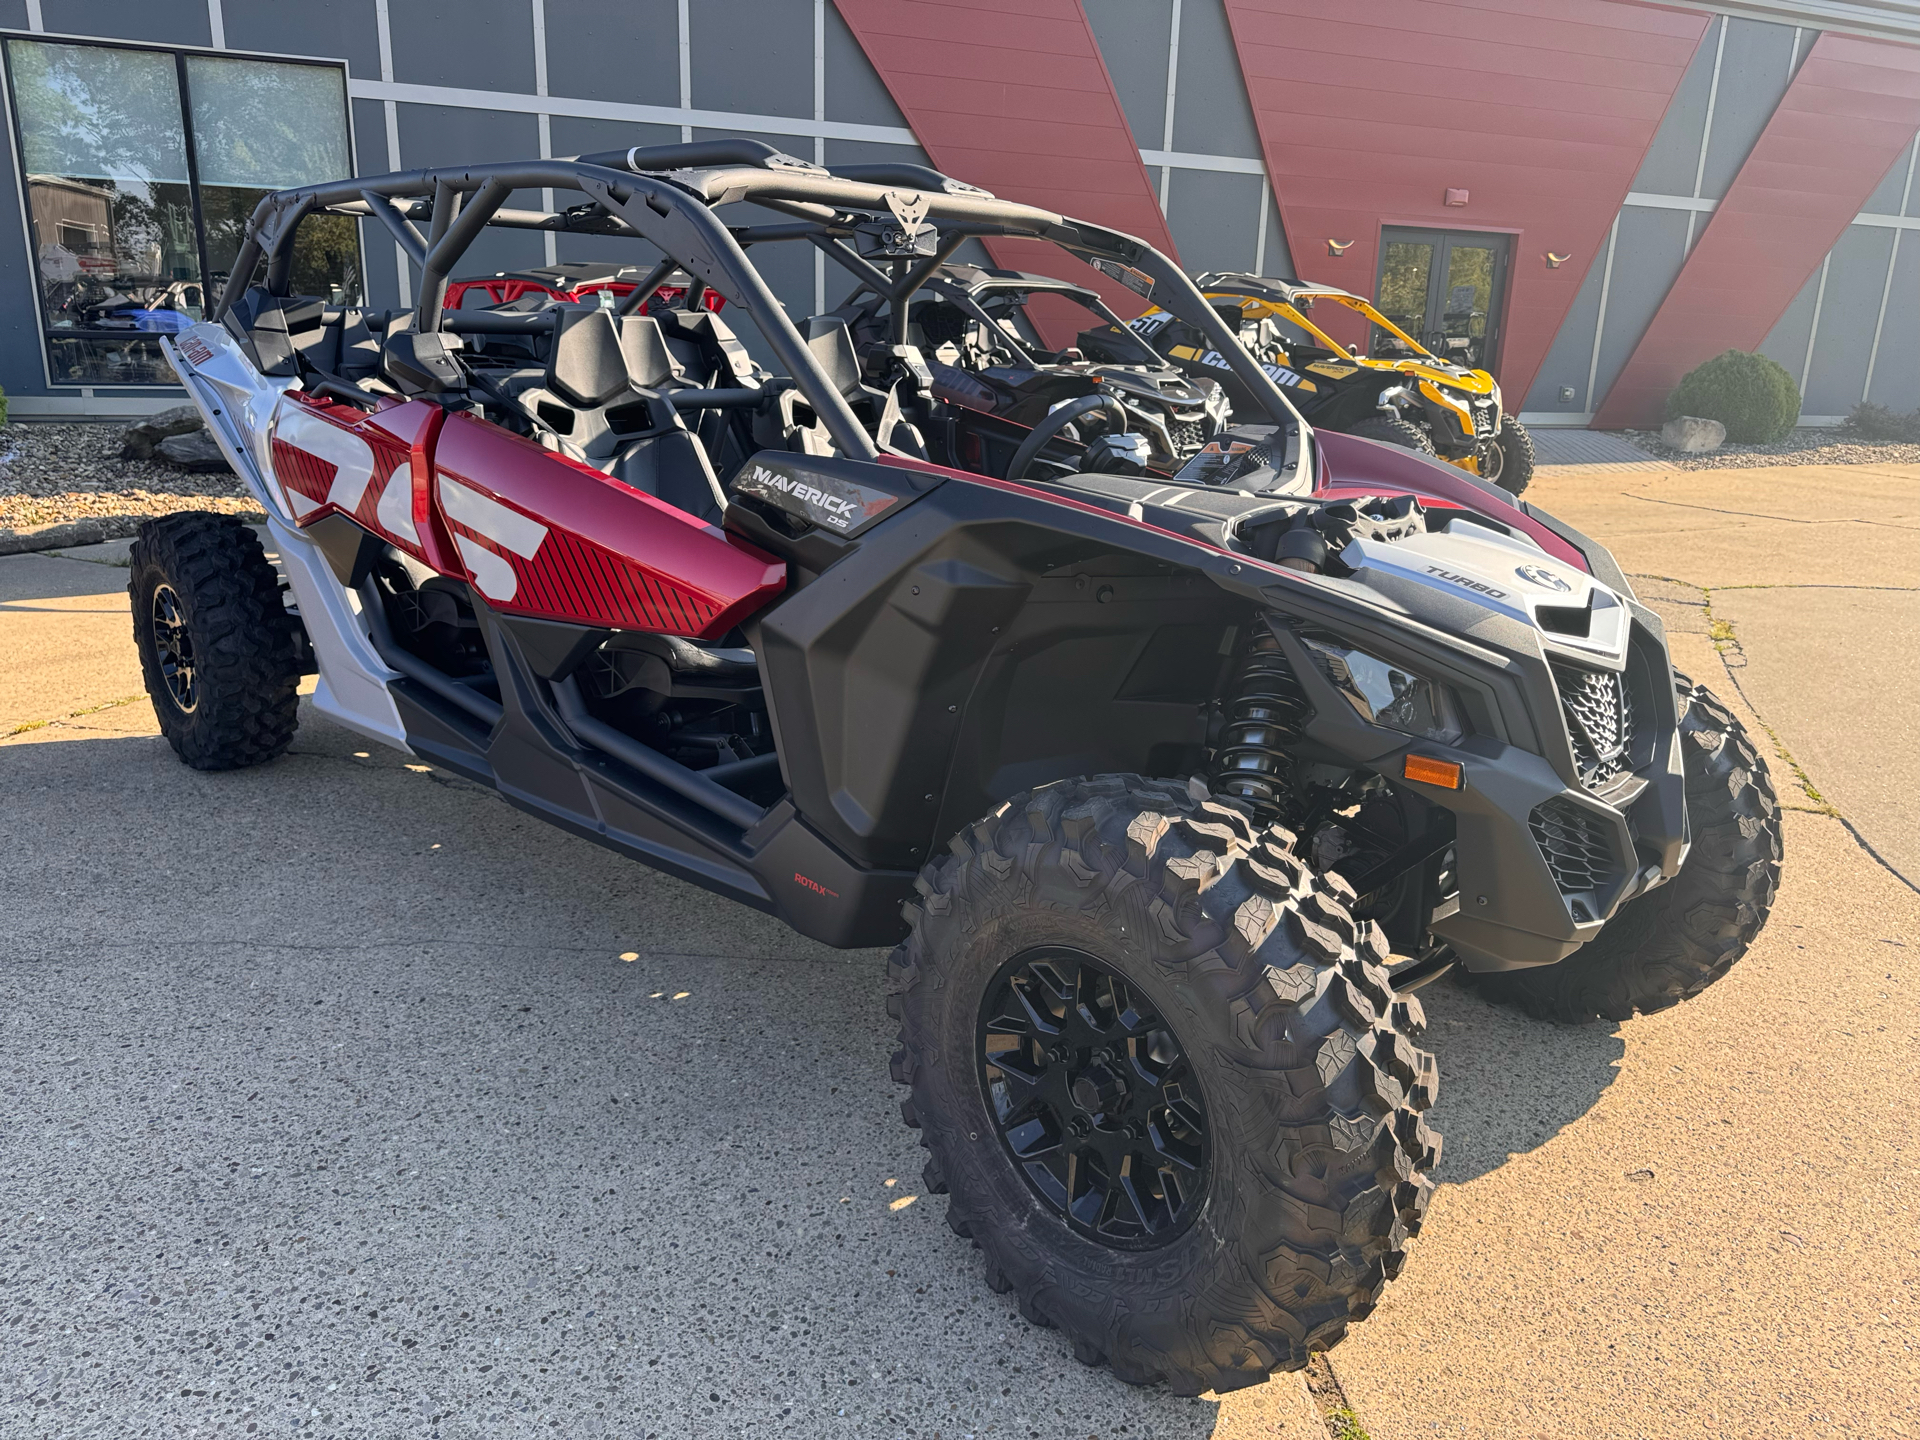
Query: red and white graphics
x=333, y=458
x=520, y=516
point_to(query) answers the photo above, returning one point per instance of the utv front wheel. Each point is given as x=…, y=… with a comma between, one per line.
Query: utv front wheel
x=1670, y=944
x=216, y=644
x=1389, y=430
x=1164, y=1081
x=1508, y=460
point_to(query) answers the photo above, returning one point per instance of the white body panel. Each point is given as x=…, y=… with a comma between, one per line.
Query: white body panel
x=1507, y=574
x=239, y=404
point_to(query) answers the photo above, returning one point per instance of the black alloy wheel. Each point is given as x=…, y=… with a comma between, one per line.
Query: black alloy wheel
x=1094, y=1098
x=173, y=648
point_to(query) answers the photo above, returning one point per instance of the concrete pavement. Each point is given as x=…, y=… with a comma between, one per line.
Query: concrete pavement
x=331, y=1107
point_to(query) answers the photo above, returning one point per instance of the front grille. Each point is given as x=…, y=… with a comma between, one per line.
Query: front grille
x=1187, y=436
x=1599, y=711
x=1483, y=420
x=1576, y=844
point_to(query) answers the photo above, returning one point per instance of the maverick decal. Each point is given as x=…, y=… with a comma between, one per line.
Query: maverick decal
x=824, y=500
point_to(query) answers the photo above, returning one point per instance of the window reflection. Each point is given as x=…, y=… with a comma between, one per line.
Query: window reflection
x=122, y=255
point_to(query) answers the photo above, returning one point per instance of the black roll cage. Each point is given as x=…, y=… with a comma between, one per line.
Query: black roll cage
x=666, y=195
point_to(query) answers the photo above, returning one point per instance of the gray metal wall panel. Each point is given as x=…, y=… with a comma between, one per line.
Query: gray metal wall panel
x=433, y=135
x=1279, y=260
x=855, y=93
x=1852, y=303
x=168, y=22
x=1572, y=353
x=341, y=30
x=628, y=51
x=1675, y=153
x=1646, y=259
x=470, y=44
x=1133, y=35
x=1896, y=372
x=1211, y=112
x=13, y=14
x=1786, y=343
x=861, y=152
x=22, y=367
x=1754, y=72
x=1215, y=219
x=1885, y=199
x=376, y=244
x=752, y=56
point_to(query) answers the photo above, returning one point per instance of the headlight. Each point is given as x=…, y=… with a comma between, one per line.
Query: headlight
x=1384, y=693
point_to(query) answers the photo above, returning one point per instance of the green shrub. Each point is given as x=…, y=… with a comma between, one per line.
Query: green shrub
x=3, y=407
x=1876, y=422
x=1749, y=394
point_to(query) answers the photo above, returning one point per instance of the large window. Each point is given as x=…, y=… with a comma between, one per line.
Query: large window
x=140, y=169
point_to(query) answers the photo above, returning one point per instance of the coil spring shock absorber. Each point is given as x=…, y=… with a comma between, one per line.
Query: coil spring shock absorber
x=1253, y=762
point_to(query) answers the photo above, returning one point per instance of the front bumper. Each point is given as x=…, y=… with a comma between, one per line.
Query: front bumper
x=1547, y=846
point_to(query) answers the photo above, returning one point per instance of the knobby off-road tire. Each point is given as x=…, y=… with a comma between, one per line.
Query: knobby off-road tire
x=1670, y=944
x=216, y=643
x=1513, y=452
x=1390, y=431
x=1311, y=1088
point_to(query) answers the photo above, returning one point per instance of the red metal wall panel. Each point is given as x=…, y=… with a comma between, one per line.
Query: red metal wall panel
x=1845, y=118
x=1542, y=110
x=1013, y=95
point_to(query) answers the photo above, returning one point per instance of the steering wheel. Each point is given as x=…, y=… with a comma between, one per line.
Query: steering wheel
x=1057, y=421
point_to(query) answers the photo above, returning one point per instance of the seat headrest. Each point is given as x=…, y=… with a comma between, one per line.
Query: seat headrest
x=650, y=364
x=587, y=366
x=832, y=345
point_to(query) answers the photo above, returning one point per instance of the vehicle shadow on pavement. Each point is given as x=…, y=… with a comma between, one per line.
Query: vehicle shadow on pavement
x=1508, y=1083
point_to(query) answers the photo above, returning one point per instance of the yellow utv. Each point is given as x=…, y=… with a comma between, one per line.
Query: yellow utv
x=1400, y=392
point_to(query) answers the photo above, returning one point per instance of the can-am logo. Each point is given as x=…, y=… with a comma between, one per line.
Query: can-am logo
x=1468, y=581
x=807, y=494
x=1543, y=577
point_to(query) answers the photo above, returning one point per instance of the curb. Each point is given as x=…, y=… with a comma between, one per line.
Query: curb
x=94, y=530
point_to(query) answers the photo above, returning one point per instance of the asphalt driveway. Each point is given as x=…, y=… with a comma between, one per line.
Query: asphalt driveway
x=330, y=1104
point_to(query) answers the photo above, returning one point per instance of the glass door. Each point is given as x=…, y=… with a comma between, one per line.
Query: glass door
x=1444, y=288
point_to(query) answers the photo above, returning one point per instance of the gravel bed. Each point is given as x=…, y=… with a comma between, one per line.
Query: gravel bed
x=55, y=473
x=1801, y=447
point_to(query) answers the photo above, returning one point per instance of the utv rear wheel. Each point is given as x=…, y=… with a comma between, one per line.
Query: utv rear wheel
x=1670, y=944
x=1164, y=1081
x=1389, y=430
x=216, y=643
x=1509, y=459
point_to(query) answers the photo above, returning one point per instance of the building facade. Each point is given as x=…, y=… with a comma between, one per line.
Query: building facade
x=1588, y=196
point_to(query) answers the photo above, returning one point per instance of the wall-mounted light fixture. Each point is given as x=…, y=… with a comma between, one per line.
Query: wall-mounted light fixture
x=1554, y=262
x=1339, y=247
x=1456, y=197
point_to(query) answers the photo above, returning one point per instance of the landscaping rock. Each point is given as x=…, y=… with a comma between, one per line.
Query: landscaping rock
x=195, y=453
x=139, y=440
x=1691, y=435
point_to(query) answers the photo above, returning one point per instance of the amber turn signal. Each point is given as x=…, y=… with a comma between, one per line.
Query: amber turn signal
x=1430, y=771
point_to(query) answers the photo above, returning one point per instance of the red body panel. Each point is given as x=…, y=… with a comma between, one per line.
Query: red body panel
x=533, y=532
x=1542, y=110
x=309, y=462
x=1846, y=117
x=583, y=547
